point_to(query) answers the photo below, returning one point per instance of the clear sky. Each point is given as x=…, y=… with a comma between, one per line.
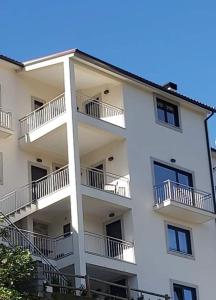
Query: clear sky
x=161, y=40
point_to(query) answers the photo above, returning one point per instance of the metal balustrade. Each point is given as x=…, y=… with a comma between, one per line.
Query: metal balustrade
x=105, y=181
x=14, y=237
x=51, y=247
x=170, y=190
x=42, y=115
x=95, y=108
x=5, y=120
x=30, y=193
x=109, y=247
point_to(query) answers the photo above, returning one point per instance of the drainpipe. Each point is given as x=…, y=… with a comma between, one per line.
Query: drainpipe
x=209, y=158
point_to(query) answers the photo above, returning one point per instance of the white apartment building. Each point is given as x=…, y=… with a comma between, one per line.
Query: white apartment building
x=108, y=174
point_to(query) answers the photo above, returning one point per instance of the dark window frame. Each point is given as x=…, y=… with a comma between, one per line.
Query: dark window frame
x=187, y=233
x=182, y=287
x=166, y=107
x=177, y=172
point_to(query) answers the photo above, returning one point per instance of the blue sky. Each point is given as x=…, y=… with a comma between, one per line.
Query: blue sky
x=159, y=40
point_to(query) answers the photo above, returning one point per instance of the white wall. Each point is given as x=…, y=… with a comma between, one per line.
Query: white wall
x=147, y=140
x=16, y=95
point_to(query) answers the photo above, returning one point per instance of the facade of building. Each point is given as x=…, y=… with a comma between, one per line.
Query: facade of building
x=108, y=174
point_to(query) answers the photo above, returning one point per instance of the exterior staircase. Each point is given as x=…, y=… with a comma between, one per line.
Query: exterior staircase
x=49, y=273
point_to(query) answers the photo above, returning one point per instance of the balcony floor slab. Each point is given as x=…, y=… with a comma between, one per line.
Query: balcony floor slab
x=184, y=212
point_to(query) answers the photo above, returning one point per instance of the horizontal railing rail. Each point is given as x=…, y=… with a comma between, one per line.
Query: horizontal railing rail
x=170, y=190
x=100, y=110
x=30, y=193
x=109, y=247
x=42, y=115
x=105, y=181
x=51, y=247
x=5, y=119
x=94, y=287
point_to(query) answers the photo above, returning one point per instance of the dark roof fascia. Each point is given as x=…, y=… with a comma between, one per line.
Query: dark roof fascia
x=12, y=61
x=213, y=149
x=120, y=71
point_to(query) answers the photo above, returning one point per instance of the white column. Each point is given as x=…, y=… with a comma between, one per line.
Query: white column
x=74, y=168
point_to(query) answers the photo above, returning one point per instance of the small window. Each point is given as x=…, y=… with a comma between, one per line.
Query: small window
x=182, y=292
x=167, y=112
x=179, y=240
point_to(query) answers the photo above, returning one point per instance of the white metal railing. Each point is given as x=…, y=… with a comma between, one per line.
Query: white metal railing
x=14, y=237
x=42, y=115
x=109, y=247
x=170, y=190
x=100, y=110
x=35, y=190
x=51, y=247
x=105, y=181
x=5, y=119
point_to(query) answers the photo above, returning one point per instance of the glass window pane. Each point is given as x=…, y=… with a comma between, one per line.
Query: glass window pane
x=162, y=174
x=178, y=293
x=161, y=114
x=188, y=295
x=184, y=179
x=172, y=239
x=171, y=118
x=183, y=247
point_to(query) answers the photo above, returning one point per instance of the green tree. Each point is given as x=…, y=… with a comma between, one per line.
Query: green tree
x=17, y=269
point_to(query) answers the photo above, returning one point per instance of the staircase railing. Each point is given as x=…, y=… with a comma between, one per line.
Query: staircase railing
x=30, y=193
x=12, y=233
x=43, y=114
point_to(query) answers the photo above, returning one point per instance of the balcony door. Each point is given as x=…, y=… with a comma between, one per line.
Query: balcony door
x=114, y=237
x=180, y=188
x=36, y=174
x=92, y=107
x=96, y=176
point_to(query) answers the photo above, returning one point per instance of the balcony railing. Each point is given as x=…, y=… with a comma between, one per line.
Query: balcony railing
x=100, y=110
x=5, y=120
x=109, y=247
x=30, y=193
x=105, y=181
x=42, y=115
x=183, y=194
x=52, y=248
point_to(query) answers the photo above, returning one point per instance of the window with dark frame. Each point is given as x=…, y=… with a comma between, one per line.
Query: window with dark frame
x=179, y=240
x=163, y=173
x=182, y=292
x=167, y=112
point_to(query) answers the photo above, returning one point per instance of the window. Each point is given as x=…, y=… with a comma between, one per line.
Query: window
x=179, y=240
x=182, y=292
x=163, y=172
x=167, y=112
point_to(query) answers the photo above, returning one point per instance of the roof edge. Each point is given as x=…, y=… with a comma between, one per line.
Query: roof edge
x=142, y=80
x=12, y=61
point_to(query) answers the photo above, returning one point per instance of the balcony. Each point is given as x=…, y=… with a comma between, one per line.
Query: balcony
x=42, y=116
x=50, y=188
x=51, y=247
x=5, y=124
x=95, y=108
x=183, y=202
x=109, y=247
x=97, y=179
